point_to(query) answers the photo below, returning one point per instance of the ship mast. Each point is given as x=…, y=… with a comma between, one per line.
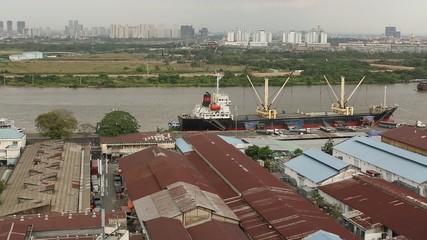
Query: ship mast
x=218, y=77
x=340, y=106
x=265, y=109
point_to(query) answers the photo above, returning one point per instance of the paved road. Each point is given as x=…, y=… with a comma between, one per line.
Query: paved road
x=110, y=201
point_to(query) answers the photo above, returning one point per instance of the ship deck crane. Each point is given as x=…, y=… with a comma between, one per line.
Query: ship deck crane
x=265, y=110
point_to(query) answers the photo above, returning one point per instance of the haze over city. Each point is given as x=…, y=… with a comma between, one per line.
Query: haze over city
x=336, y=16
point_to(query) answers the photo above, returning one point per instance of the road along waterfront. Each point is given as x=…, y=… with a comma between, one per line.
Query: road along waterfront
x=154, y=107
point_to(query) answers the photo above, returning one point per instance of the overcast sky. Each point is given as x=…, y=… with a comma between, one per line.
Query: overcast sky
x=334, y=16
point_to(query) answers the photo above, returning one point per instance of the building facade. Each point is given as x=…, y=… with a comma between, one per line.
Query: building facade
x=20, y=27
x=12, y=142
x=385, y=161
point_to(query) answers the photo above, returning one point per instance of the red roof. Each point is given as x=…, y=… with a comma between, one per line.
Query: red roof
x=167, y=228
x=234, y=165
x=214, y=230
x=267, y=207
x=152, y=169
x=408, y=135
x=53, y=222
x=395, y=207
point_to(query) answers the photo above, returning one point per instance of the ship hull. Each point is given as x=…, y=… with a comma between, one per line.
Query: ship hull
x=283, y=121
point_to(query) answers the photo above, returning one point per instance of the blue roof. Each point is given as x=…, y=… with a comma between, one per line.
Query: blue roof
x=316, y=165
x=231, y=140
x=183, y=146
x=10, y=133
x=401, y=162
x=322, y=235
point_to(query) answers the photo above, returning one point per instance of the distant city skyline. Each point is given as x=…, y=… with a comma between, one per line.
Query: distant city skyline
x=336, y=16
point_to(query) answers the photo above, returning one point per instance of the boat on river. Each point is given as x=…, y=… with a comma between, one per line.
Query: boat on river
x=215, y=113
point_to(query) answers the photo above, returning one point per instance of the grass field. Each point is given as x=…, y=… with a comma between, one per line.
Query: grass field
x=104, y=64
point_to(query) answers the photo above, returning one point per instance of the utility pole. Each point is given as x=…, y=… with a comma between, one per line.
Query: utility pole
x=235, y=116
x=148, y=71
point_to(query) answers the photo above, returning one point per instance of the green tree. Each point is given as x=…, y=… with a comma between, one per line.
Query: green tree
x=252, y=151
x=265, y=153
x=335, y=211
x=298, y=152
x=317, y=199
x=327, y=148
x=56, y=124
x=117, y=122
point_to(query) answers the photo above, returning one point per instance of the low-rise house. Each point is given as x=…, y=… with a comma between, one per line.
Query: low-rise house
x=12, y=141
x=314, y=167
x=409, y=138
x=385, y=161
x=126, y=144
x=376, y=209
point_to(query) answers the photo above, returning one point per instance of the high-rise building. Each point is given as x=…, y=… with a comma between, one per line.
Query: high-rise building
x=390, y=31
x=187, y=32
x=292, y=37
x=1, y=26
x=20, y=26
x=204, y=33
x=9, y=26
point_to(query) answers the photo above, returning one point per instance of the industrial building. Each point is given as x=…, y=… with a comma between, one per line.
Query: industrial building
x=50, y=177
x=12, y=142
x=266, y=208
x=409, y=138
x=26, y=56
x=376, y=209
x=313, y=168
x=125, y=144
x=385, y=161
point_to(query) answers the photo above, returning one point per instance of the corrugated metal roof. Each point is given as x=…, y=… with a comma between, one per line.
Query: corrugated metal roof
x=231, y=163
x=180, y=198
x=400, y=210
x=268, y=208
x=322, y=235
x=407, y=164
x=274, y=144
x=231, y=140
x=409, y=135
x=183, y=146
x=157, y=168
x=165, y=229
x=214, y=230
x=11, y=134
x=316, y=165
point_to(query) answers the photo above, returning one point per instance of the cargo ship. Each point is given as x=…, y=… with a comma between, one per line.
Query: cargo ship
x=215, y=113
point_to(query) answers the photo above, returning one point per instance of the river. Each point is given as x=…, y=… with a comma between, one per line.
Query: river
x=155, y=107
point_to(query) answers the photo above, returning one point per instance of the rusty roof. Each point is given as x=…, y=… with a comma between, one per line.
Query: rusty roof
x=139, y=138
x=408, y=135
x=213, y=230
x=43, y=185
x=397, y=208
x=55, y=222
x=267, y=207
x=180, y=198
x=174, y=229
x=157, y=168
x=232, y=164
